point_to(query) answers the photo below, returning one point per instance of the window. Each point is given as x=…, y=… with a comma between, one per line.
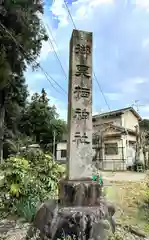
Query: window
x=63, y=153
x=111, y=148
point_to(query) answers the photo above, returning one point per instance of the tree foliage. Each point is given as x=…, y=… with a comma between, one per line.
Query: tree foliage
x=32, y=176
x=144, y=132
x=144, y=124
x=28, y=181
x=20, y=18
x=144, y=140
x=40, y=120
x=21, y=36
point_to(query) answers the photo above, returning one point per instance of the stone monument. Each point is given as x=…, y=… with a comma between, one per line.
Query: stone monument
x=78, y=189
x=79, y=150
x=82, y=212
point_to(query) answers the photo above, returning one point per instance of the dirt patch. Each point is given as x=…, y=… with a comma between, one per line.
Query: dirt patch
x=12, y=229
x=124, y=176
x=126, y=196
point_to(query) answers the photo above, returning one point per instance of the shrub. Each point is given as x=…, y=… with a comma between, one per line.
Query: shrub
x=29, y=180
x=33, y=155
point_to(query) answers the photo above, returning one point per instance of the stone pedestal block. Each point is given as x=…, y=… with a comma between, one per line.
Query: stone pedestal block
x=79, y=193
x=53, y=222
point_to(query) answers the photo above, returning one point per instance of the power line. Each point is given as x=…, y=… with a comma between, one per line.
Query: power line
x=55, y=50
x=38, y=64
x=101, y=91
x=93, y=72
x=70, y=14
x=51, y=44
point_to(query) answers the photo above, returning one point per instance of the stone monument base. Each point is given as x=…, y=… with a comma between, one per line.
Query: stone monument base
x=81, y=213
x=83, y=223
x=54, y=222
x=83, y=192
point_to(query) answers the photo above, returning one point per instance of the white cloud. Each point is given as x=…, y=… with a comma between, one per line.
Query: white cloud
x=85, y=8
x=59, y=12
x=81, y=13
x=145, y=108
x=142, y=3
x=119, y=59
x=38, y=76
x=60, y=106
x=47, y=46
x=98, y=112
x=147, y=117
x=45, y=50
x=93, y=2
x=131, y=85
x=135, y=81
x=95, y=113
x=81, y=9
x=113, y=96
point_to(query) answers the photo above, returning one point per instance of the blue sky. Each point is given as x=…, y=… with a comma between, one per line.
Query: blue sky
x=120, y=52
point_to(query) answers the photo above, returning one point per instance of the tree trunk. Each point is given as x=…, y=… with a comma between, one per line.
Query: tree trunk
x=137, y=153
x=2, y=117
x=137, y=146
x=145, y=159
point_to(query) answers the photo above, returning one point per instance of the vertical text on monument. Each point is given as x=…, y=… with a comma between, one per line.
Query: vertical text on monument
x=80, y=106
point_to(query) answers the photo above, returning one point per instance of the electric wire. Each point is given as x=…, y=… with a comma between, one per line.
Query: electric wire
x=48, y=77
x=51, y=43
x=100, y=88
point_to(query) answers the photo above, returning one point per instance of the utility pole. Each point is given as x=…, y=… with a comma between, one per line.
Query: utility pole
x=54, y=133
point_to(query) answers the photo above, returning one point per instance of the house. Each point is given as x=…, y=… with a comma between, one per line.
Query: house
x=114, y=139
x=61, y=150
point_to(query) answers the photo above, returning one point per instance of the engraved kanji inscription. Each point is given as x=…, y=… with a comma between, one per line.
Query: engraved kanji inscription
x=82, y=49
x=81, y=114
x=82, y=92
x=82, y=70
x=81, y=138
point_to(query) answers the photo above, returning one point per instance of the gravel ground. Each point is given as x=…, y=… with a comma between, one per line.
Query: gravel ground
x=123, y=176
x=11, y=230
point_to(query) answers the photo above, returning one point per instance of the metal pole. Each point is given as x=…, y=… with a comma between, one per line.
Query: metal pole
x=54, y=145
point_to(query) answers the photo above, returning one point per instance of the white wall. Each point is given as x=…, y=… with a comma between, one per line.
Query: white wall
x=60, y=146
x=129, y=120
x=110, y=158
x=131, y=138
x=114, y=162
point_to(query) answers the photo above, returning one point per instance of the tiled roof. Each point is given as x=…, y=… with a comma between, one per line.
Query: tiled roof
x=119, y=111
x=119, y=128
